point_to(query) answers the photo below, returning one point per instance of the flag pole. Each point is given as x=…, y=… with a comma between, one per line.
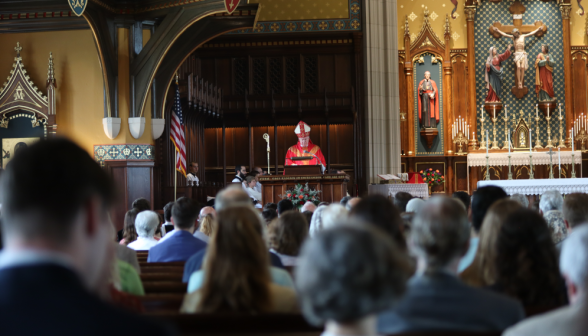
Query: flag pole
x=176, y=163
x=176, y=178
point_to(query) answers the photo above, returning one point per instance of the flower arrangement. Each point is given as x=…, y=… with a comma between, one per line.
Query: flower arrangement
x=432, y=177
x=302, y=194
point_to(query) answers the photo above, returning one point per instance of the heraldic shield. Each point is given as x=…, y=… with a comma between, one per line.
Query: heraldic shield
x=231, y=5
x=78, y=6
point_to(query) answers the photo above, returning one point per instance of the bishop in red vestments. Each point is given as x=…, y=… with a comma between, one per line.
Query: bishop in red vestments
x=304, y=147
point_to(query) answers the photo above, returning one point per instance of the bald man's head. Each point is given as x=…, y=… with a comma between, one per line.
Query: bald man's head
x=231, y=196
x=207, y=210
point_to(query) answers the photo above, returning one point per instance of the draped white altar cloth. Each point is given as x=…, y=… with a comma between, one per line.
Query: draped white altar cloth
x=522, y=158
x=417, y=190
x=539, y=186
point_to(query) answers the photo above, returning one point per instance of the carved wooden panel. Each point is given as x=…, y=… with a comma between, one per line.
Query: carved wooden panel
x=461, y=176
x=459, y=86
x=403, y=107
x=580, y=95
x=311, y=84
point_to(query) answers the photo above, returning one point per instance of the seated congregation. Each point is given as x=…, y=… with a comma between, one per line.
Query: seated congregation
x=481, y=265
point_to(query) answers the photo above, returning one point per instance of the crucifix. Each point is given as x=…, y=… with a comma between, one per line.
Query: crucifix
x=519, y=32
x=550, y=163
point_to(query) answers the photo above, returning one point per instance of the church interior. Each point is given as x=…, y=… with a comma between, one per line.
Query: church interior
x=173, y=98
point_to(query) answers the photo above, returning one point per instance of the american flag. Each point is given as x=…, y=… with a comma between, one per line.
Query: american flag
x=177, y=133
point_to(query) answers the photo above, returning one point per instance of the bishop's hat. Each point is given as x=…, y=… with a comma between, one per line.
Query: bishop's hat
x=302, y=130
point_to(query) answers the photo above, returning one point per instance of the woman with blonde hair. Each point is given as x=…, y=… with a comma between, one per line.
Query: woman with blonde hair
x=237, y=270
x=208, y=225
x=482, y=272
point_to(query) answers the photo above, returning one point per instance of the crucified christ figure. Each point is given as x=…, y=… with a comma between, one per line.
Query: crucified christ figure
x=520, y=55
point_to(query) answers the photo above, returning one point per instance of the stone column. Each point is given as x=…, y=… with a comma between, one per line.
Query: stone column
x=470, y=12
x=382, y=119
x=565, y=9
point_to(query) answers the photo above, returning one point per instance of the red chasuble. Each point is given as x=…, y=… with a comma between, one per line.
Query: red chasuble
x=434, y=101
x=296, y=151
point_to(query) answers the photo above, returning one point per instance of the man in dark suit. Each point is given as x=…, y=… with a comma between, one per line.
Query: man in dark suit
x=182, y=244
x=436, y=299
x=58, y=247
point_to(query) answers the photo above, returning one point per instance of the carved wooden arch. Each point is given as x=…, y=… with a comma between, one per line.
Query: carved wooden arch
x=20, y=94
x=580, y=83
x=427, y=41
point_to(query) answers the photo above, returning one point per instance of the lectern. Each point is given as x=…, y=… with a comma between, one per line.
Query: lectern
x=303, y=170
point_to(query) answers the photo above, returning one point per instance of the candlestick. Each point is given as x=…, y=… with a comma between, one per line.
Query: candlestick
x=494, y=141
x=482, y=119
x=572, y=140
x=548, y=118
x=536, y=111
x=560, y=110
x=530, y=141
x=531, y=174
x=537, y=141
x=509, y=166
x=487, y=163
x=561, y=141
x=505, y=118
x=508, y=144
x=487, y=142
x=573, y=165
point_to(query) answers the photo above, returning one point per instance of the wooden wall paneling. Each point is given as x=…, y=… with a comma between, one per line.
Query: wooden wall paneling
x=224, y=80
x=459, y=91
x=213, y=154
x=343, y=80
x=326, y=64
x=460, y=173
x=579, y=78
x=565, y=9
x=344, y=144
x=241, y=147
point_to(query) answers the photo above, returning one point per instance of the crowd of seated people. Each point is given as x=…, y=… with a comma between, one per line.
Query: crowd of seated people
x=366, y=266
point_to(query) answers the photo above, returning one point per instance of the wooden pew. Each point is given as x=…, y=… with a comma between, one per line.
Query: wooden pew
x=165, y=276
x=169, y=303
x=239, y=324
x=165, y=287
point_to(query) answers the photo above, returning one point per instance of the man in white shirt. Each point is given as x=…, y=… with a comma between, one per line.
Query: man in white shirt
x=241, y=173
x=258, y=172
x=145, y=224
x=191, y=178
x=250, y=183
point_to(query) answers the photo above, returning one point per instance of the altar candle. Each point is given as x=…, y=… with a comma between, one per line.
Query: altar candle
x=560, y=110
x=530, y=141
x=536, y=111
x=548, y=111
x=506, y=111
x=487, y=143
x=572, y=140
x=494, y=112
x=508, y=141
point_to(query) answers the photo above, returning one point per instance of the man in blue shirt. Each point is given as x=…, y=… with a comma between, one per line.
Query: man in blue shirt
x=182, y=245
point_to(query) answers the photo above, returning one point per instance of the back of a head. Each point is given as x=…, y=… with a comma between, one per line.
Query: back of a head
x=316, y=222
x=231, y=196
x=272, y=206
x=208, y=225
x=284, y=205
x=551, y=200
x=347, y=273
x=379, y=211
x=440, y=232
x=237, y=265
x=482, y=200
x=141, y=204
x=463, y=197
x=287, y=233
x=269, y=215
x=308, y=216
x=575, y=209
x=146, y=223
x=522, y=199
x=185, y=213
x=46, y=208
x=495, y=218
x=415, y=205
x=526, y=260
x=167, y=211
x=574, y=257
x=401, y=200
x=333, y=214
x=344, y=200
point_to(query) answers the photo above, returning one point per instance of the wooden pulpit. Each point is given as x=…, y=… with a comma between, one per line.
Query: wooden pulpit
x=303, y=170
x=333, y=187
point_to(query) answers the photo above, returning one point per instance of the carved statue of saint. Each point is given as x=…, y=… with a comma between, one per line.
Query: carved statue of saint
x=428, y=102
x=544, y=75
x=520, y=55
x=494, y=72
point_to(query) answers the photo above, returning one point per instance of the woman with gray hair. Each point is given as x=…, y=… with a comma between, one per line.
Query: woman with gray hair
x=146, y=223
x=550, y=207
x=347, y=275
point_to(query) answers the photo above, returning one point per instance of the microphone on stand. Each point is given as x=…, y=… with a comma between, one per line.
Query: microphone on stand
x=316, y=157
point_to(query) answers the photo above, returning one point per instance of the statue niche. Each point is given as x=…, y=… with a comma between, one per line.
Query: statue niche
x=520, y=137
